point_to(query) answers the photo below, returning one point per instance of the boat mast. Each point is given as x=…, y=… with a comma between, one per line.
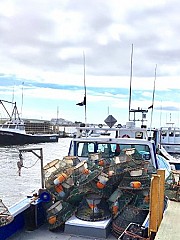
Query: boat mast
x=154, y=88
x=85, y=114
x=130, y=82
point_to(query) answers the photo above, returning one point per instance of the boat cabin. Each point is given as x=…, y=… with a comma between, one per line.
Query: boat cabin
x=127, y=131
x=13, y=126
x=139, y=149
x=170, y=139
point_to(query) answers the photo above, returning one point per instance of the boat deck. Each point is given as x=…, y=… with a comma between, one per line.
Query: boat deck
x=170, y=226
x=44, y=233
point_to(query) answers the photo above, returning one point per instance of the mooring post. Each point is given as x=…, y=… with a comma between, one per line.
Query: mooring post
x=154, y=200
x=161, y=173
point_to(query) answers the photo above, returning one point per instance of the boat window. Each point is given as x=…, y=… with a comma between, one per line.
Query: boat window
x=5, y=126
x=84, y=149
x=12, y=126
x=177, y=134
x=164, y=134
x=21, y=127
x=171, y=134
x=109, y=150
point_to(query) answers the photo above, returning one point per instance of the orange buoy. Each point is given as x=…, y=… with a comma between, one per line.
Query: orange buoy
x=135, y=184
x=86, y=171
x=101, y=162
x=61, y=178
x=52, y=219
x=115, y=209
x=59, y=188
x=92, y=206
x=100, y=185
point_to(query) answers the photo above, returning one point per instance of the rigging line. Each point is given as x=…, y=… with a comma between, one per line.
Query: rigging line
x=32, y=164
x=154, y=88
x=130, y=81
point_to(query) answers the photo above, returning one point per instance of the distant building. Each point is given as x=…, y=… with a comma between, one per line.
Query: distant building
x=38, y=126
x=62, y=122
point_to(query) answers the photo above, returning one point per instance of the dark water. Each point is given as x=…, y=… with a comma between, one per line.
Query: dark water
x=13, y=187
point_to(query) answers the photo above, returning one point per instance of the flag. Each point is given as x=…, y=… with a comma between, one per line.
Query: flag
x=150, y=106
x=83, y=103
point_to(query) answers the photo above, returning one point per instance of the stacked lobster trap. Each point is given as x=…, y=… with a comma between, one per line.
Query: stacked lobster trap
x=99, y=188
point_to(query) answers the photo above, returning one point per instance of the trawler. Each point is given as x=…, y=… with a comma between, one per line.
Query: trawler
x=12, y=132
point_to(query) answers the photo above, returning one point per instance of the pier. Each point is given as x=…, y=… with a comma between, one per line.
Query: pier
x=170, y=225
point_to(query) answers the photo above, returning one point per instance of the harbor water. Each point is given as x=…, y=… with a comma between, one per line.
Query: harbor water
x=13, y=187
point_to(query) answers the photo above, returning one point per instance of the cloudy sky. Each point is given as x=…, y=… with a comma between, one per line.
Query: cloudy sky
x=42, y=67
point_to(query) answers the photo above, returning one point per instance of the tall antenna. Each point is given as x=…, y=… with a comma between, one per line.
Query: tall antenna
x=57, y=119
x=83, y=103
x=161, y=113
x=152, y=106
x=108, y=110
x=85, y=114
x=130, y=81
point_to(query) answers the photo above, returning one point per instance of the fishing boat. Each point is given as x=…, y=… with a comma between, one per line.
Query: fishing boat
x=98, y=190
x=12, y=132
x=130, y=130
x=170, y=138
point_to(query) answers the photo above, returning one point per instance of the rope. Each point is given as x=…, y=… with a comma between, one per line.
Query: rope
x=20, y=164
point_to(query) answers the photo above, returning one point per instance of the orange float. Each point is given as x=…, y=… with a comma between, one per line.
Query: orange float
x=135, y=184
x=86, y=171
x=92, y=206
x=115, y=209
x=52, y=219
x=61, y=178
x=100, y=185
x=59, y=188
x=101, y=162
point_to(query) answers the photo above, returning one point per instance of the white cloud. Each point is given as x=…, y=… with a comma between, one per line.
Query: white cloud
x=44, y=41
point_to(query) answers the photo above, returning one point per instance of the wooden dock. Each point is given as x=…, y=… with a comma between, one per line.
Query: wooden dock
x=170, y=226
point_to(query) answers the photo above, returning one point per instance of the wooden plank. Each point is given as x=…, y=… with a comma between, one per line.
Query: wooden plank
x=161, y=172
x=170, y=225
x=154, y=204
